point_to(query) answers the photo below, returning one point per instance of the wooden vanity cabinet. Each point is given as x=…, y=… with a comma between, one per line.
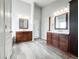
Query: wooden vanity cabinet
x=58, y=40
x=23, y=36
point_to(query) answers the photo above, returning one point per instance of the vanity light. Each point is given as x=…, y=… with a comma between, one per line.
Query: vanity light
x=23, y=17
x=55, y=14
x=66, y=10
x=62, y=11
x=19, y=16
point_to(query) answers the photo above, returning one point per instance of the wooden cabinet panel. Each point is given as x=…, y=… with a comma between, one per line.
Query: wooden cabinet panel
x=18, y=37
x=29, y=36
x=55, y=40
x=63, y=46
x=55, y=43
x=49, y=38
x=63, y=43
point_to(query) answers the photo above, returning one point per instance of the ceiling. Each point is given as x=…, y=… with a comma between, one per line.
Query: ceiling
x=41, y=3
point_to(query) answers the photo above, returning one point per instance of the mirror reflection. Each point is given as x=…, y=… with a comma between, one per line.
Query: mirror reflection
x=61, y=21
x=23, y=23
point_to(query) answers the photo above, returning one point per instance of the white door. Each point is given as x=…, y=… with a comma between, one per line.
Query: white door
x=5, y=29
x=8, y=36
x=2, y=32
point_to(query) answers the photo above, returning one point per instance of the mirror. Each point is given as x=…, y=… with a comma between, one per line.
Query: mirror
x=23, y=23
x=61, y=22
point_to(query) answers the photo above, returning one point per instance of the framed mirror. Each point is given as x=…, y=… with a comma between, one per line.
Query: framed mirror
x=23, y=23
x=61, y=22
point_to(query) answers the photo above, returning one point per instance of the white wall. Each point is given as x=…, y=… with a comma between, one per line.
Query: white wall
x=20, y=9
x=36, y=21
x=2, y=30
x=49, y=11
x=8, y=36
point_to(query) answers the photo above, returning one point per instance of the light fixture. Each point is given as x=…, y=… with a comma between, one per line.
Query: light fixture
x=24, y=17
x=62, y=11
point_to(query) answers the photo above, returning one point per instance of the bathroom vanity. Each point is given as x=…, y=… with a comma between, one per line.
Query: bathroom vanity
x=23, y=36
x=58, y=40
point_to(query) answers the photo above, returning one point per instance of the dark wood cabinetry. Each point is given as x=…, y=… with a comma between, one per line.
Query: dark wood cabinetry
x=55, y=40
x=67, y=42
x=49, y=38
x=63, y=43
x=23, y=36
x=73, y=42
x=58, y=40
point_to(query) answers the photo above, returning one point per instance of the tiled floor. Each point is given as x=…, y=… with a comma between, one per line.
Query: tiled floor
x=37, y=50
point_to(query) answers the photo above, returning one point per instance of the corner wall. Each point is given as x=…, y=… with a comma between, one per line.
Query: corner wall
x=37, y=21
x=49, y=11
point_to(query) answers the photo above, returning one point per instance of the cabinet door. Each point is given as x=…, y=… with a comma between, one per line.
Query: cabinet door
x=63, y=44
x=19, y=37
x=49, y=38
x=55, y=41
x=29, y=36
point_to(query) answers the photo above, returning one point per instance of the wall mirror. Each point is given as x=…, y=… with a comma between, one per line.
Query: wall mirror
x=61, y=22
x=23, y=23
